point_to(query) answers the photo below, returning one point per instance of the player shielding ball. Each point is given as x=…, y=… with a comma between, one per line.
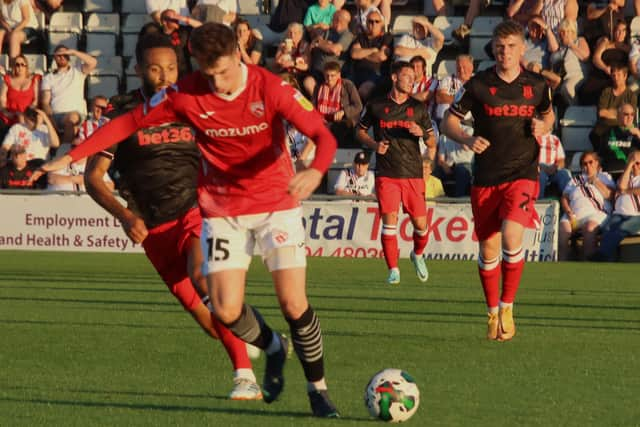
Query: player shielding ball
x=158, y=181
x=399, y=121
x=510, y=107
x=247, y=192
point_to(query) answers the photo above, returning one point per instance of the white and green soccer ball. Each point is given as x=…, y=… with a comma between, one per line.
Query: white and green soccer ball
x=392, y=395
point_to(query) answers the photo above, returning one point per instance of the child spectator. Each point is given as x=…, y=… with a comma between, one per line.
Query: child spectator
x=17, y=172
x=37, y=135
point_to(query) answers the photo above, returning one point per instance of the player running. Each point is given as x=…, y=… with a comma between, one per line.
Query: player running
x=247, y=192
x=399, y=121
x=510, y=107
x=158, y=169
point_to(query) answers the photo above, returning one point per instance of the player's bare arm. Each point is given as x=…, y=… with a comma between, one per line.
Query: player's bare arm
x=452, y=129
x=380, y=147
x=97, y=167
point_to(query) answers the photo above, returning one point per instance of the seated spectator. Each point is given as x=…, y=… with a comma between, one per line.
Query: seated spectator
x=97, y=118
x=338, y=101
x=602, y=18
x=625, y=220
x=20, y=90
x=618, y=141
x=454, y=162
x=611, y=99
x=178, y=28
x=363, y=9
x=422, y=87
x=609, y=53
x=332, y=46
x=569, y=59
x=18, y=171
x=17, y=24
x=62, y=90
x=553, y=12
x=220, y=11
x=357, y=180
x=432, y=184
x=249, y=43
x=522, y=11
x=426, y=41
x=293, y=53
x=371, y=54
x=37, y=134
x=537, y=55
x=551, y=160
x=318, y=18
x=156, y=7
x=449, y=86
x=586, y=203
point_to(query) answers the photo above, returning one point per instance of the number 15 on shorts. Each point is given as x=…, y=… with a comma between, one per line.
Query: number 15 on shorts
x=217, y=249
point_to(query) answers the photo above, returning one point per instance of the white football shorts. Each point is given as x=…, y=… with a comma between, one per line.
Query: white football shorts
x=228, y=242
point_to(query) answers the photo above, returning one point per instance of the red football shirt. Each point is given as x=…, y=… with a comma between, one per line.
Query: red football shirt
x=246, y=165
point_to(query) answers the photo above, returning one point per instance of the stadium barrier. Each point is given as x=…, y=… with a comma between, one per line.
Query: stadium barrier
x=335, y=227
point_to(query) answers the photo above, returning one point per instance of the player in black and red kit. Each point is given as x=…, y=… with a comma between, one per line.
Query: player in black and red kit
x=399, y=121
x=248, y=194
x=158, y=168
x=510, y=107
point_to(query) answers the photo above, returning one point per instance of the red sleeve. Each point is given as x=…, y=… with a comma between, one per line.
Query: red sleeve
x=299, y=111
x=157, y=111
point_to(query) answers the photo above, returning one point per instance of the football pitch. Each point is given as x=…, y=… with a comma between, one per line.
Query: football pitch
x=96, y=339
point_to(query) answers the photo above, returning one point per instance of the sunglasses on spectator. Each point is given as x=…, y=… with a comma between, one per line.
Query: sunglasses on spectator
x=167, y=19
x=373, y=21
x=19, y=64
x=102, y=107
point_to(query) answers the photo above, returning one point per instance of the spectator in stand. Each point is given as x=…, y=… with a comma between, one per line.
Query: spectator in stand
x=178, y=28
x=552, y=160
x=221, y=11
x=475, y=8
x=426, y=41
x=363, y=9
x=523, y=11
x=332, y=46
x=17, y=172
x=301, y=147
x=449, y=86
x=433, y=185
x=318, y=18
x=338, y=101
x=156, y=7
x=62, y=90
x=357, y=180
x=608, y=53
x=293, y=53
x=249, y=43
x=586, y=203
x=454, y=162
x=625, y=220
x=611, y=99
x=569, y=59
x=619, y=140
x=371, y=53
x=422, y=87
x=17, y=24
x=602, y=18
x=99, y=106
x=555, y=11
x=37, y=135
x=537, y=55
x=20, y=90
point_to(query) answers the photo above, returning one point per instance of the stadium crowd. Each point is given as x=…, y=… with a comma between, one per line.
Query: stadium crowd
x=339, y=56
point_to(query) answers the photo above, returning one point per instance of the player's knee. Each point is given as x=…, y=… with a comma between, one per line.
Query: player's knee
x=294, y=308
x=227, y=314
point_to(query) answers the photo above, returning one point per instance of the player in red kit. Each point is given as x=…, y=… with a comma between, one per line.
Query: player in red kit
x=158, y=183
x=399, y=121
x=247, y=192
x=510, y=107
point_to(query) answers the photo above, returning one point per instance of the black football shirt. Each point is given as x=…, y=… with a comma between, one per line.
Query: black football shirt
x=502, y=114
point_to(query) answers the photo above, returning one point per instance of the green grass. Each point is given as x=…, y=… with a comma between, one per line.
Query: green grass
x=94, y=339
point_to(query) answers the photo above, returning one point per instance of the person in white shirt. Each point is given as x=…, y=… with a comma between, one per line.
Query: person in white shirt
x=37, y=135
x=358, y=180
x=425, y=40
x=586, y=202
x=222, y=11
x=62, y=91
x=625, y=220
x=17, y=23
x=449, y=86
x=156, y=7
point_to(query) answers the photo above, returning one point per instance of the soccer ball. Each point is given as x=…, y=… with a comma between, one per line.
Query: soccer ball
x=392, y=395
